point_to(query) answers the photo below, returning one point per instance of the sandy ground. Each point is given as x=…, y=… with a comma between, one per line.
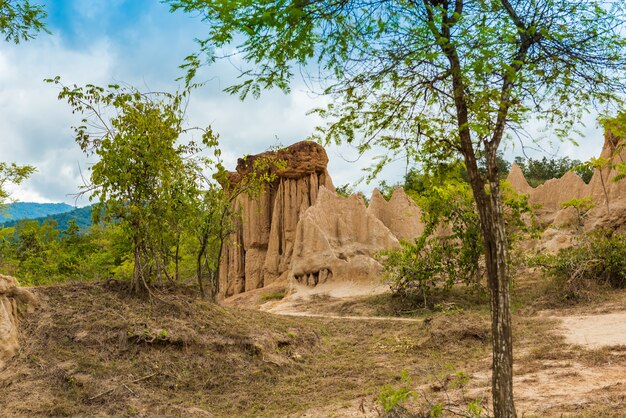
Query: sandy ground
x=595, y=331
x=548, y=388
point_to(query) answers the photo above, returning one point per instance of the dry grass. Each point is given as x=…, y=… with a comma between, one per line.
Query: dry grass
x=90, y=350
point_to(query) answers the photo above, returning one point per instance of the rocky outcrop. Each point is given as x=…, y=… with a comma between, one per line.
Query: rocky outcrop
x=298, y=230
x=259, y=251
x=549, y=196
x=552, y=193
x=400, y=214
x=337, y=239
x=10, y=295
x=518, y=181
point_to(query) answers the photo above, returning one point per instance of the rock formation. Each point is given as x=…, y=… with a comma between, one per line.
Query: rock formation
x=549, y=196
x=400, y=214
x=298, y=229
x=337, y=238
x=10, y=295
x=260, y=250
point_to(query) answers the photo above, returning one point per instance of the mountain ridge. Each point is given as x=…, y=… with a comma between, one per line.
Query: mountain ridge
x=32, y=210
x=62, y=217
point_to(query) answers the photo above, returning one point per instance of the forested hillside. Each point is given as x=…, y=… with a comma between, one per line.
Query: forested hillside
x=30, y=210
x=82, y=216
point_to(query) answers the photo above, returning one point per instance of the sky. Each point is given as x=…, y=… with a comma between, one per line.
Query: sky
x=139, y=42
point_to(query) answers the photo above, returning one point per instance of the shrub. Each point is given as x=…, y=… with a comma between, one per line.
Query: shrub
x=450, y=251
x=391, y=398
x=598, y=258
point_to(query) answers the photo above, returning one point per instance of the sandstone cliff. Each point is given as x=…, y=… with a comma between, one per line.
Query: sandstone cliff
x=259, y=251
x=400, y=214
x=338, y=238
x=550, y=195
x=298, y=230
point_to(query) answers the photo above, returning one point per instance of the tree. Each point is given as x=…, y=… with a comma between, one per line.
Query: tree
x=539, y=171
x=12, y=173
x=145, y=177
x=600, y=163
x=20, y=20
x=217, y=214
x=434, y=79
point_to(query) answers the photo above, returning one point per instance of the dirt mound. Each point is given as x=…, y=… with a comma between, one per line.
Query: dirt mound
x=11, y=295
x=93, y=351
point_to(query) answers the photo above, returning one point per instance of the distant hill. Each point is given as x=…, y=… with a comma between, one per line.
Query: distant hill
x=81, y=215
x=29, y=210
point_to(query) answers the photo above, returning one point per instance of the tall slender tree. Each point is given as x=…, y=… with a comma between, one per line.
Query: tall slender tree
x=430, y=79
x=145, y=175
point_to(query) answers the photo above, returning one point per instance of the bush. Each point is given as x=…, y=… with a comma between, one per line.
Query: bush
x=598, y=258
x=391, y=398
x=450, y=251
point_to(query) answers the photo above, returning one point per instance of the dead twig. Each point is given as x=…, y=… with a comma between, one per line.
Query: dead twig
x=125, y=386
x=102, y=394
x=144, y=378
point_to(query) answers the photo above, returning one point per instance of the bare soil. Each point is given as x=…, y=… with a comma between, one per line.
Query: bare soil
x=92, y=350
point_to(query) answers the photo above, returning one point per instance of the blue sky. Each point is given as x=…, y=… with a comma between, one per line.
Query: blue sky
x=141, y=43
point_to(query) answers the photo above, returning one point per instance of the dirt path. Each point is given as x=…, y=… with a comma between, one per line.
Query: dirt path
x=595, y=331
x=351, y=318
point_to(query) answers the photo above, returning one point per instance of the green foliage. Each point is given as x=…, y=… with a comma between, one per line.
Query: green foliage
x=615, y=124
x=20, y=20
x=146, y=178
x=388, y=64
x=538, y=171
x=598, y=258
x=450, y=249
x=273, y=296
x=345, y=190
x=12, y=173
x=391, y=397
x=582, y=206
x=42, y=254
x=621, y=172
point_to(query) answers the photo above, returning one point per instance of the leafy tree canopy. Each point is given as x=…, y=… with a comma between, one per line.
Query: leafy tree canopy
x=538, y=171
x=12, y=173
x=20, y=20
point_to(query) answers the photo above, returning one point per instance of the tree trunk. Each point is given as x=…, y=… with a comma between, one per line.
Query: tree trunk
x=177, y=258
x=499, y=287
x=489, y=205
x=135, y=284
x=215, y=285
x=606, y=193
x=203, y=244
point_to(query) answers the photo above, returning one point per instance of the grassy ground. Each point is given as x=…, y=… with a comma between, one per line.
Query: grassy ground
x=91, y=350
